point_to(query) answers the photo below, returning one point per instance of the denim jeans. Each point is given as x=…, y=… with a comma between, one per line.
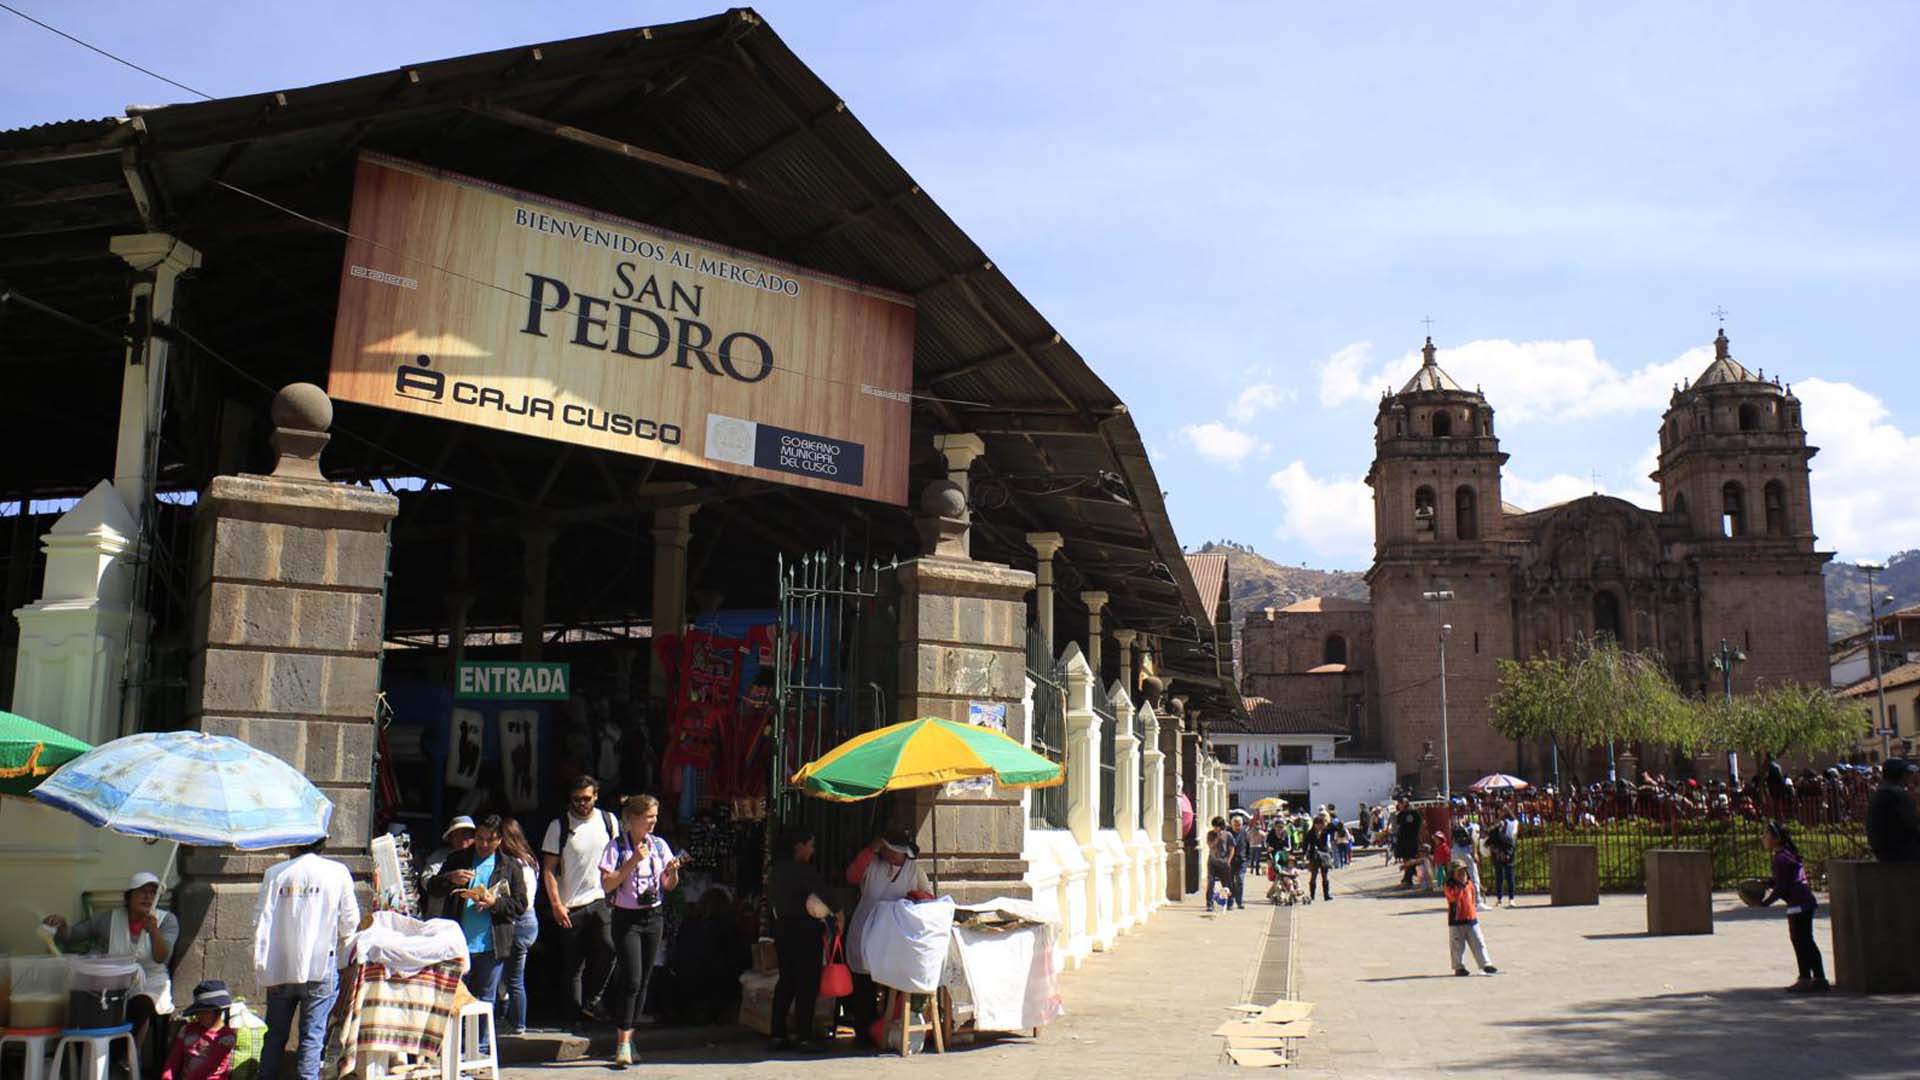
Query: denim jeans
x=511, y=1013
x=483, y=979
x=314, y=1002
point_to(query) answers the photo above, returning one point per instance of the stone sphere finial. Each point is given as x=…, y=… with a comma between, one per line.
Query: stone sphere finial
x=303, y=407
x=943, y=498
x=1153, y=688
x=302, y=413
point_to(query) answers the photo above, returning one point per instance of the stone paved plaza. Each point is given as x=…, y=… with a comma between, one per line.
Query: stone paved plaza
x=1582, y=992
x=1144, y=1010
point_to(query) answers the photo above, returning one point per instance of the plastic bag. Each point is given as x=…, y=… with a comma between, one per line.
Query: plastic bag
x=250, y=1037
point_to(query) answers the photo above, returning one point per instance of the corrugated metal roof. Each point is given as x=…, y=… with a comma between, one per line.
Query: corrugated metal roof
x=1210, y=578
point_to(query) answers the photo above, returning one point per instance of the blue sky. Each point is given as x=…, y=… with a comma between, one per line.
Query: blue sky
x=1239, y=213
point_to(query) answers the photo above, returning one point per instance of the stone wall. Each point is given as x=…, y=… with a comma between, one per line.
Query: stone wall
x=1407, y=628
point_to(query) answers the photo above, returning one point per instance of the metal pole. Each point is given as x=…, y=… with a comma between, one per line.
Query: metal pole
x=1873, y=655
x=1446, y=741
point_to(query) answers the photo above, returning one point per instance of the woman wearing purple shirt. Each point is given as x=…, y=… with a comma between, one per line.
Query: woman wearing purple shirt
x=637, y=870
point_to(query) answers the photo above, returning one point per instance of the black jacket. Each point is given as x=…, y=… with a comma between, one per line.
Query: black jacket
x=507, y=879
x=1893, y=824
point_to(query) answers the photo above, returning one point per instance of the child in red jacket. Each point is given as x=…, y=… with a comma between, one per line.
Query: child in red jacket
x=204, y=1049
x=1463, y=921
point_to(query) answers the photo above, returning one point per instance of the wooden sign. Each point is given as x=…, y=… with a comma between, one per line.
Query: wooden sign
x=466, y=301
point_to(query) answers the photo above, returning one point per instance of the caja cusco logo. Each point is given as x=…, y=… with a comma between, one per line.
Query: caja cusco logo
x=418, y=381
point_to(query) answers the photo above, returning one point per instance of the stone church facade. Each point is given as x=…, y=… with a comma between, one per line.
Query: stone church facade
x=1729, y=556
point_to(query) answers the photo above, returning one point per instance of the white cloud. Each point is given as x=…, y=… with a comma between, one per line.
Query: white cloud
x=1256, y=399
x=1331, y=517
x=1532, y=379
x=1220, y=444
x=1535, y=493
x=1866, y=479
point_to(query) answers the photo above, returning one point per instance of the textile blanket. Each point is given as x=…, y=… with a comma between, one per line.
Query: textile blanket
x=398, y=1014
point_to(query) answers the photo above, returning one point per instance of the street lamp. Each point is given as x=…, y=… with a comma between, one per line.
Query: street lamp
x=1722, y=662
x=1873, y=655
x=1446, y=742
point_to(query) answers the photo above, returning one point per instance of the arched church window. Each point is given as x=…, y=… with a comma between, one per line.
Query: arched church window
x=1466, y=514
x=1733, y=510
x=1776, y=504
x=1606, y=615
x=1335, y=650
x=1442, y=424
x=1749, y=416
x=1423, y=510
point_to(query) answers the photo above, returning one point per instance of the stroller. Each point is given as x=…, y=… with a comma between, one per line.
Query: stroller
x=1286, y=881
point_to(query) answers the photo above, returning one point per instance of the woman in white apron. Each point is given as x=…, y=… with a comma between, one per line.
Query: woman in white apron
x=885, y=870
x=139, y=930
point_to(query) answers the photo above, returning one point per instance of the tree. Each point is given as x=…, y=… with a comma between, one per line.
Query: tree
x=1781, y=719
x=1597, y=695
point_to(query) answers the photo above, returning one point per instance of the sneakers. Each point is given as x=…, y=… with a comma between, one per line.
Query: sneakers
x=1809, y=986
x=1462, y=972
x=623, y=1054
x=1490, y=970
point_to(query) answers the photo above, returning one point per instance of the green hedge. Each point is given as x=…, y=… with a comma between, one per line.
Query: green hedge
x=1736, y=848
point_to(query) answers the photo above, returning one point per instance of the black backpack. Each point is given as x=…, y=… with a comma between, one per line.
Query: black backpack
x=1462, y=837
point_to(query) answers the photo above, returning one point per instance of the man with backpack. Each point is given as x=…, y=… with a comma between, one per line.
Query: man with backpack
x=570, y=854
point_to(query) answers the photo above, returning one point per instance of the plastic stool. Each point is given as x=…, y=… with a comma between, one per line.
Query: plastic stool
x=462, y=1056
x=92, y=1049
x=33, y=1042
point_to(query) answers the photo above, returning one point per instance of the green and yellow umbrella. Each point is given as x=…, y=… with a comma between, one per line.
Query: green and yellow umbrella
x=922, y=753
x=30, y=751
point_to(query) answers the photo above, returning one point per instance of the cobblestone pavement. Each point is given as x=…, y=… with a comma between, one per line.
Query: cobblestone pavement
x=1582, y=992
x=1146, y=1009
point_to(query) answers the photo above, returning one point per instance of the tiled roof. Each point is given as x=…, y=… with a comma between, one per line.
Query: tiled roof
x=1314, y=604
x=1429, y=377
x=1724, y=369
x=1903, y=675
x=1266, y=718
x=1209, y=575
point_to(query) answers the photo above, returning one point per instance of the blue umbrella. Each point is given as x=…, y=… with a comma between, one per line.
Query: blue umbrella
x=191, y=787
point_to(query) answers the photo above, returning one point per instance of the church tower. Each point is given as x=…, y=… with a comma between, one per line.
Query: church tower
x=1441, y=559
x=1734, y=466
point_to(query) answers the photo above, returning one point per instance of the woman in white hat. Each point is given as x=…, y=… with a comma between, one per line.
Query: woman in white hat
x=138, y=929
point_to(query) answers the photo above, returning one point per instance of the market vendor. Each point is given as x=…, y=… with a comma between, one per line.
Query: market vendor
x=798, y=896
x=138, y=929
x=887, y=869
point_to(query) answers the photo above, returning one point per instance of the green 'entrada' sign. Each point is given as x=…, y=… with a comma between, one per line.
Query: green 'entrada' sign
x=516, y=680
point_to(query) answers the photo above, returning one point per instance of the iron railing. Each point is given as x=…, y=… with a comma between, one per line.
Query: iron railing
x=1107, y=761
x=1047, y=808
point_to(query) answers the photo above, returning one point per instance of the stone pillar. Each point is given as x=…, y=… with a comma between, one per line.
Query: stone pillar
x=1153, y=816
x=672, y=528
x=1876, y=939
x=289, y=577
x=960, y=452
x=536, y=544
x=1173, y=746
x=1123, y=641
x=1083, y=803
x=1191, y=775
x=1126, y=807
x=1096, y=601
x=963, y=640
x=143, y=382
x=1045, y=546
x=68, y=674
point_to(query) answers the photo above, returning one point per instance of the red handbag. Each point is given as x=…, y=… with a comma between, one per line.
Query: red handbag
x=836, y=979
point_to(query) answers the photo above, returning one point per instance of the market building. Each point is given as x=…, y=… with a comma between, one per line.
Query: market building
x=672, y=434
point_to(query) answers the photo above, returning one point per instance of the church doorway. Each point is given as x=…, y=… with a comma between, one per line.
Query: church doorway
x=1606, y=616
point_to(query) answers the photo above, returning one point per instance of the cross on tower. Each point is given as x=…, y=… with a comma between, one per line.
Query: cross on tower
x=1721, y=314
x=1428, y=321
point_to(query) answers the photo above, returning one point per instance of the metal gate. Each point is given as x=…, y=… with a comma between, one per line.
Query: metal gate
x=836, y=675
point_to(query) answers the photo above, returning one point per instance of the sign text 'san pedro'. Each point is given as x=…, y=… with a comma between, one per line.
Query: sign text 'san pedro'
x=465, y=301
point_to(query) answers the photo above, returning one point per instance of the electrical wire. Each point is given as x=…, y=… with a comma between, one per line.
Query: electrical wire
x=95, y=48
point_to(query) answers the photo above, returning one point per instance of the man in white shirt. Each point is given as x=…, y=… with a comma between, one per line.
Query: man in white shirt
x=570, y=853
x=306, y=908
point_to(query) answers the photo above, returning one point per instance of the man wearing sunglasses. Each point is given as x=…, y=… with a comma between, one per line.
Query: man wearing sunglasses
x=570, y=854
